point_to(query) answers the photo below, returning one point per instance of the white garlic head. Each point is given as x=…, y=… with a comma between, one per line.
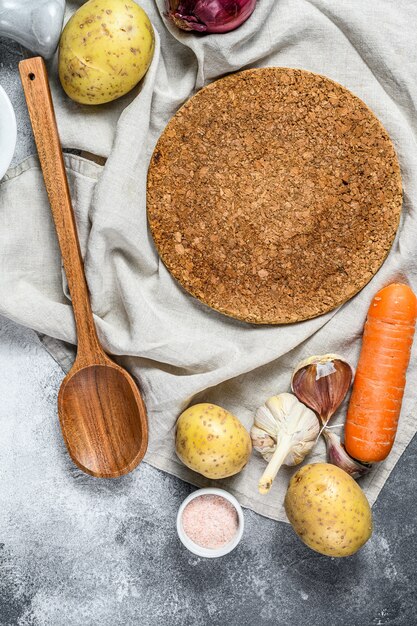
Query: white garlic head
x=283, y=418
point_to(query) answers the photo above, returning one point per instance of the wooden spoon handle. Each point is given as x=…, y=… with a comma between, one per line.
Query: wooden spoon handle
x=41, y=112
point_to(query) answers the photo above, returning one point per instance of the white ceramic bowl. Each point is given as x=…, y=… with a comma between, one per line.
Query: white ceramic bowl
x=8, y=132
x=210, y=553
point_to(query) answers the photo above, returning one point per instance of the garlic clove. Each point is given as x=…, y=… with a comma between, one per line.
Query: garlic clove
x=337, y=455
x=322, y=382
x=262, y=441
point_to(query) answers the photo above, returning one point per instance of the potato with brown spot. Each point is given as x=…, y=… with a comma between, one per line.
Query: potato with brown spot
x=328, y=510
x=105, y=50
x=212, y=441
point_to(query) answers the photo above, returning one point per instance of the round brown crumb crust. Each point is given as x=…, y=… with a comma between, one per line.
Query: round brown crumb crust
x=274, y=195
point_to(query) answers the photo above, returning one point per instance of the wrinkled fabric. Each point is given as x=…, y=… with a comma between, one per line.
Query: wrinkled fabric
x=179, y=350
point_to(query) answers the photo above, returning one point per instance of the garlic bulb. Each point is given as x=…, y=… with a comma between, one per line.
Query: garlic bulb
x=284, y=432
x=322, y=382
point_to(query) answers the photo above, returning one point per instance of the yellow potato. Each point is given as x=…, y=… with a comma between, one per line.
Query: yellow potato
x=212, y=441
x=104, y=51
x=328, y=510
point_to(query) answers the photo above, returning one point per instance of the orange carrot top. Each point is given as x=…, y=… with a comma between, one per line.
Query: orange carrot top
x=378, y=388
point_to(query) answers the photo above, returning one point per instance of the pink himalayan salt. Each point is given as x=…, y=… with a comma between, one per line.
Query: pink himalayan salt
x=210, y=521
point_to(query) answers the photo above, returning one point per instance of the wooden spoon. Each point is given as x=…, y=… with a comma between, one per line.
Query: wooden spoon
x=102, y=414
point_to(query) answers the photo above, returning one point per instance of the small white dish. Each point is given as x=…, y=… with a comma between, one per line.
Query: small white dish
x=8, y=132
x=210, y=553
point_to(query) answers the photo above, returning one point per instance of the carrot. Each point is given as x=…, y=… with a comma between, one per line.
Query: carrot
x=378, y=388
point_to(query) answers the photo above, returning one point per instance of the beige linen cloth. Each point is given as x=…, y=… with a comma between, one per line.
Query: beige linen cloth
x=179, y=350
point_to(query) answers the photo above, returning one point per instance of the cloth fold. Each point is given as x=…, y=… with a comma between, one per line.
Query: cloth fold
x=179, y=350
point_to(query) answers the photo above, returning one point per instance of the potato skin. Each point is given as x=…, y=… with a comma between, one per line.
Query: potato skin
x=328, y=510
x=105, y=49
x=212, y=441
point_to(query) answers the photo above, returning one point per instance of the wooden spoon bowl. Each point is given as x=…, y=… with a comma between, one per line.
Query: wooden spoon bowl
x=106, y=446
x=102, y=414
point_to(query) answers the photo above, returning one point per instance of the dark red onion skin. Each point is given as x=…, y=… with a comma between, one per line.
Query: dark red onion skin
x=210, y=16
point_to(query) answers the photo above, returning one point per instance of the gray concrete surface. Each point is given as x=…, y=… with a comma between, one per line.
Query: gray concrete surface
x=108, y=553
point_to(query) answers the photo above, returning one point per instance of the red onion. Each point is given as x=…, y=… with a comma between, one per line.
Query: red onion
x=209, y=16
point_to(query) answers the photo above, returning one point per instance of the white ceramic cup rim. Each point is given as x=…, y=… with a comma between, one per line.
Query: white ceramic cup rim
x=210, y=553
x=8, y=132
